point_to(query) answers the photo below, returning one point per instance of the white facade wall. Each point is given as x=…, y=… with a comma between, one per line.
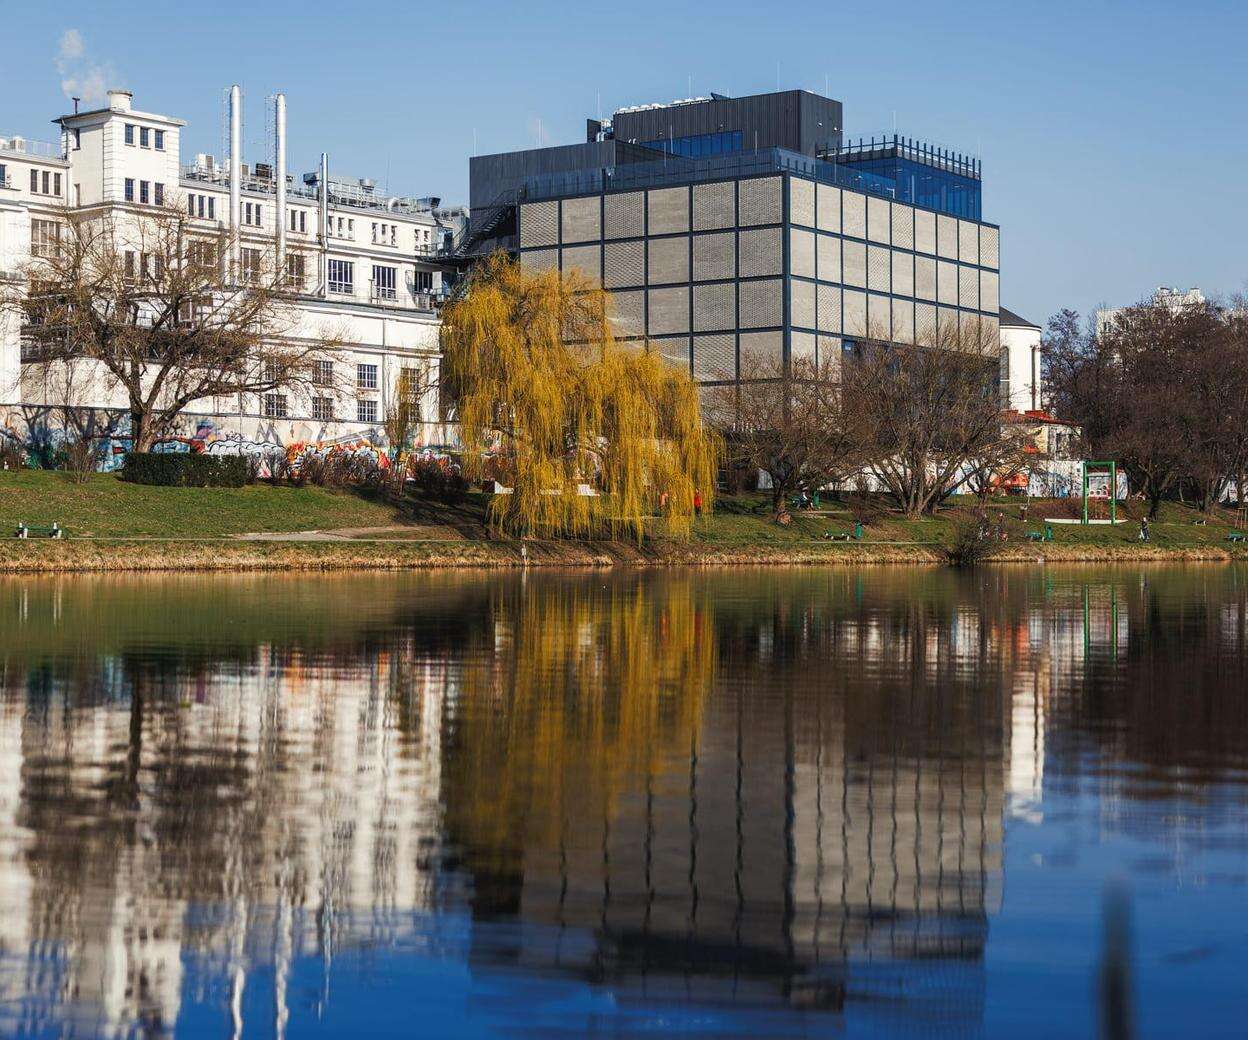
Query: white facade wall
x=390, y=328
x=1020, y=344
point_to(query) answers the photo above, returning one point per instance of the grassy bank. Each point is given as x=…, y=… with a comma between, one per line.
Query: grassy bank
x=117, y=526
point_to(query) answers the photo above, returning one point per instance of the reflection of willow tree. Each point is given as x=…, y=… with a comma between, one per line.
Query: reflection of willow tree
x=593, y=690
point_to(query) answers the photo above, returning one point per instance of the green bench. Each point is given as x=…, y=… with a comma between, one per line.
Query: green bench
x=1041, y=536
x=1237, y=536
x=38, y=531
x=845, y=536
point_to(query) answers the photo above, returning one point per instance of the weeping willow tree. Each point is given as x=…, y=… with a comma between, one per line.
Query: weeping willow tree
x=548, y=401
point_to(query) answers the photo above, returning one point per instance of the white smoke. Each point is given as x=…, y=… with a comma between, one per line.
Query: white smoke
x=82, y=76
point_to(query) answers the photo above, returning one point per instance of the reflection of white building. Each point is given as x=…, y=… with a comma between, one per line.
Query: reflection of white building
x=298, y=799
x=358, y=259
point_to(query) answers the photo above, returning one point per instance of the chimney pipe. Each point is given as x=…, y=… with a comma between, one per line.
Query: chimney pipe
x=279, y=127
x=236, y=171
x=324, y=223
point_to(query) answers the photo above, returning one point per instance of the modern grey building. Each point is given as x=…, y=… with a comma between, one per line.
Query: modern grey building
x=726, y=227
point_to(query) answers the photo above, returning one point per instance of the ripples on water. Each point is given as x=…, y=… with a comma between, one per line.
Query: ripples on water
x=774, y=803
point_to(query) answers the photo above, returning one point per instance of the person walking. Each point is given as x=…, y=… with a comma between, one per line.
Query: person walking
x=697, y=503
x=1144, y=529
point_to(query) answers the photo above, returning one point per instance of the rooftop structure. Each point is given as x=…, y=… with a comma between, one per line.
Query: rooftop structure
x=701, y=139
x=728, y=228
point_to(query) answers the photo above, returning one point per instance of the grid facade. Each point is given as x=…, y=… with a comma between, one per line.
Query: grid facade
x=768, y=266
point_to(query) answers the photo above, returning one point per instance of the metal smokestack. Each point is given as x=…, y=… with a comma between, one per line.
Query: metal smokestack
x=279, y=130
x=236, y=169
x=324, y=223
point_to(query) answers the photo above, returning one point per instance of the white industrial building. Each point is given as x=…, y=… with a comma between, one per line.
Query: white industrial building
x=361, y=263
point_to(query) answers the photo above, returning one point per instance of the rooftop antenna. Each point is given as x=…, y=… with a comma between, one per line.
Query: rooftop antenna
x=474, y=140
x=690, y=94
x=777, y=75
x=75, y=101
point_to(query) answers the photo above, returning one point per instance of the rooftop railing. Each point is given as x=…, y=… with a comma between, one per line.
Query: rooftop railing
x=220, y=176
x=18, y=145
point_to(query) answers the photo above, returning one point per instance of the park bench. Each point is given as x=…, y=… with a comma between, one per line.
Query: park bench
x=845, y=536
x=1237, y=536
x=39, y=531
x=1041, y=536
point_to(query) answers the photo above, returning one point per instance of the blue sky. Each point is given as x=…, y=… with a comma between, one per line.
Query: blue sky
x=1112, y=134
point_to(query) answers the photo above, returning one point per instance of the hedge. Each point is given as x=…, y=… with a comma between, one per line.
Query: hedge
x=180, y=469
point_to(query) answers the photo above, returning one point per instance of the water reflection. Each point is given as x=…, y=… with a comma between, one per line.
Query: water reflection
x=768, y=802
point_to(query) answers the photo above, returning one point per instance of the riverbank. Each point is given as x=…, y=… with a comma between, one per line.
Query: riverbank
x=114, y=526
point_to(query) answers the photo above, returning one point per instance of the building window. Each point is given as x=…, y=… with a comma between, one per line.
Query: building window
x=212, y=208
x=45, y=237
x=275, y=406
x=145, y=137
x=129, y=133
x=295, y=270
x=342, y=277
x=251, y=214
x=158, y=193
x=202, y=253
x=145, y=192
x=324, y=374
x=4, y=176
x=159, y=136
x=190, y=205
x=323, y=409
x=410, y=382
x=422, y=281
x=366, y=411
x=56, y=184
x=252, y=263
x=385, y=280
x=366, y=377
x=129, y=189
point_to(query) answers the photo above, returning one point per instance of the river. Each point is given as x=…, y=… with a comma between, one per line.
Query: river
x=748, y=803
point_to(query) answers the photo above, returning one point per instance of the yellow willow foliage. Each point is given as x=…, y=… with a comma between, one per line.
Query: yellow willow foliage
x=592, y=691
x=547, y=400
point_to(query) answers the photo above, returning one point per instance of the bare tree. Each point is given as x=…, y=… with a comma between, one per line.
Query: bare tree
x=790, y=422
x=1165, y=391
x=415, y=391
x=165, y=314
x=931, y=413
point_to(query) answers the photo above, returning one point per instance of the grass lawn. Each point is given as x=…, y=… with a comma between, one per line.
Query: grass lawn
x=744, y=520
x=106, y=506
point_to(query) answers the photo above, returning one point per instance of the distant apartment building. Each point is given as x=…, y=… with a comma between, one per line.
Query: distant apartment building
x=1163, y=296
x=733, y=228
x=355, y=260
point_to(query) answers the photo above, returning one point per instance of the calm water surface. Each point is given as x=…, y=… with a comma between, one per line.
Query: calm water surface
x=747, y=804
